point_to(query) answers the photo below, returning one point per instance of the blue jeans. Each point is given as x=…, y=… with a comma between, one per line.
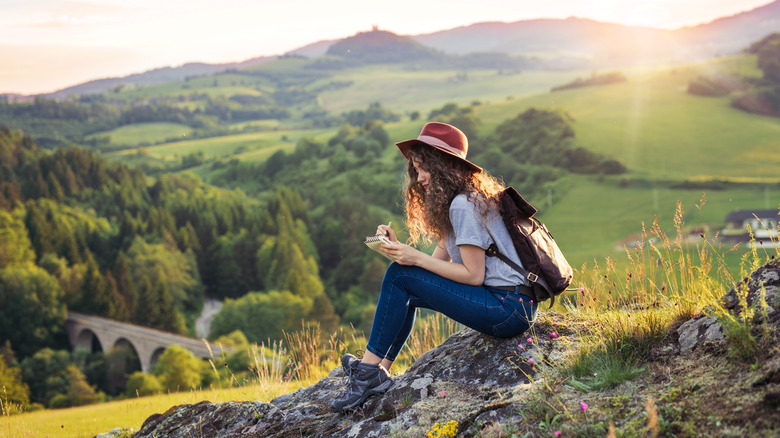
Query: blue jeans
x=495, y=312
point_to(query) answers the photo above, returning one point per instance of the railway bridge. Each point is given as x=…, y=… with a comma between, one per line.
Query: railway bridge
x=84, y=331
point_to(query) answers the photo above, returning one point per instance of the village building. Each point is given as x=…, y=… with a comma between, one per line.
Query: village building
x=762, y=223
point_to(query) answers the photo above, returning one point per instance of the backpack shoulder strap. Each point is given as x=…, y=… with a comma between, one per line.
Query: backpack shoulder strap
x=535, y=280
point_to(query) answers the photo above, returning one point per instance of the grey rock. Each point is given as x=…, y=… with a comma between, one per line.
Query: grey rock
x=697, y=331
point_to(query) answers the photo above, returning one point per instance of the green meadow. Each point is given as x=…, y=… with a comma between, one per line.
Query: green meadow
x=405, y=91
x=252, y=146
x=145, y=133
x=224, y=85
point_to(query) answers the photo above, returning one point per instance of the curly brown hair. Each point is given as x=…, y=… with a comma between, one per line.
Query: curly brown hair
x=428, y=212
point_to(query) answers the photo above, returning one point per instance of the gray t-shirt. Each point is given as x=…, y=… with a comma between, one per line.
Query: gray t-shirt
x=470, y=228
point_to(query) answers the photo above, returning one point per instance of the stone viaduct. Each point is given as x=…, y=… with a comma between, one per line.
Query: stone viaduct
x=148, y=343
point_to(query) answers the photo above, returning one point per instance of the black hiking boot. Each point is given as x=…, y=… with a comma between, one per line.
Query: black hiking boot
x=365, y=380
x=348, y=363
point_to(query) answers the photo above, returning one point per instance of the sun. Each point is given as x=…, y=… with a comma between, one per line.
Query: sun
x=648, y=14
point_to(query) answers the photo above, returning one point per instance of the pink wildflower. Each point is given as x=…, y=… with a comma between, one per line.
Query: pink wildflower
x=530, y=341
x=553, y=335
x=531, y=361
x=557, y=433
x=443, y=395
x=581, y=290
x=583, y=406
x=521, y=346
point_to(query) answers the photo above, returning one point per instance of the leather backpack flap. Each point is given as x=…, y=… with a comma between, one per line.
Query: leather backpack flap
x=513, y=203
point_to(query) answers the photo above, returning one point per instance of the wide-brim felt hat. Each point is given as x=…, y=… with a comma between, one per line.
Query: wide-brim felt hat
x=443, y=137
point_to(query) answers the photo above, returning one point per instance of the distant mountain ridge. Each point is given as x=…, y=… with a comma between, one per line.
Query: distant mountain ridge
x=157, y=76
x=589, y=43
x=609, y=42
x=585, y=37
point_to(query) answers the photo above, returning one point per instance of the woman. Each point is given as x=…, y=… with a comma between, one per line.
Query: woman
x=453, y=201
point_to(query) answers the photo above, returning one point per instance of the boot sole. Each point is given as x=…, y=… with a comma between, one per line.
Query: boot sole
x=381, y=389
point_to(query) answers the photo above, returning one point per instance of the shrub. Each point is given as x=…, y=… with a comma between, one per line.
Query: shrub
x=79, y=392
x=715, y=85
x=15, y=394
x=178, y=369
x=594, y=80
x=141, y=384
x=755, y=101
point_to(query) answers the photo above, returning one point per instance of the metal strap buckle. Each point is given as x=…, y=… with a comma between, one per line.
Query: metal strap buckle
x=532, y=277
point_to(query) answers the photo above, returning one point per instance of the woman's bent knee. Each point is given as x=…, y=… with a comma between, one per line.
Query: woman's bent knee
x=396, y=269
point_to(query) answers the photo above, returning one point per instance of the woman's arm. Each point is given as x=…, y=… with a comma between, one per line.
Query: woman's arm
x=471, y=272
x=441, y=251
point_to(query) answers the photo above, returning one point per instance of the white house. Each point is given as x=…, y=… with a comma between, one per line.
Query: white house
x=763, y=224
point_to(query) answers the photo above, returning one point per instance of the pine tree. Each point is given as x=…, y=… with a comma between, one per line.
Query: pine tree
x=169, y=317
x=145, y=310
x=125, y=285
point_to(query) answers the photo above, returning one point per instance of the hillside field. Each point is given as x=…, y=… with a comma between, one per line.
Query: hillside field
x=659, y=131
x=406, y=91
x=144, y=133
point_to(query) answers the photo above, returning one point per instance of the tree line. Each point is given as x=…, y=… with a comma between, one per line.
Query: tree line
x=64, y=123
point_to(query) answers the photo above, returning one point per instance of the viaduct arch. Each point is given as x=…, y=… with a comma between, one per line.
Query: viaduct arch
x=149, y=344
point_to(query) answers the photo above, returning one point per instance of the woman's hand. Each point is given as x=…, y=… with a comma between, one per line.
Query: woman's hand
x=385, y=230
x=401, y=253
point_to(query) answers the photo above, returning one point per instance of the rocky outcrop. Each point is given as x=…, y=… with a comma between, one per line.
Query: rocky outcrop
x=761, y=290
x=471, y=378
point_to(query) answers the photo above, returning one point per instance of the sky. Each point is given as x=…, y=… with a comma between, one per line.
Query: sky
x=46, y=45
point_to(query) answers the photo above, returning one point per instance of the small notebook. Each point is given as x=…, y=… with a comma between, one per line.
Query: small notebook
x=375, y=242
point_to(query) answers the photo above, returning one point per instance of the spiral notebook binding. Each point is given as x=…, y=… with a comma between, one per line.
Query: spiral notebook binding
x=376, y=238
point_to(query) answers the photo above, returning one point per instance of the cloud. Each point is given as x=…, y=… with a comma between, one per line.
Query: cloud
x=48, y=14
